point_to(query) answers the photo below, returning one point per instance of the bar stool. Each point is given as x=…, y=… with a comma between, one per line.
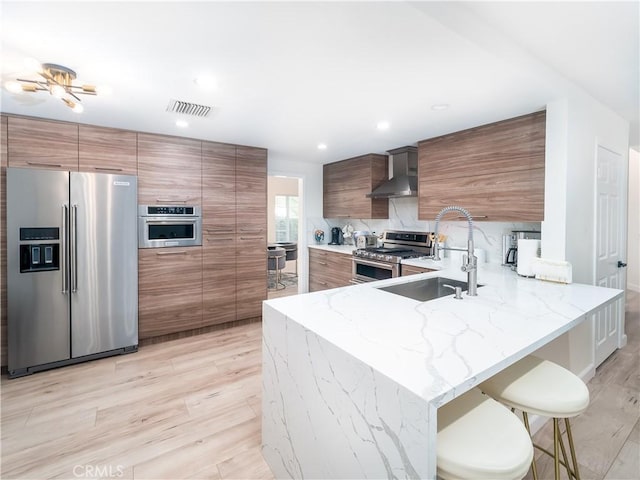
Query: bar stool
x=276, y=261
x=480, y=439
x=541, y=387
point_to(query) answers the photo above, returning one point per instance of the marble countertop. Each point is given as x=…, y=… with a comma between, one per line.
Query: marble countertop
x=441, y=348
x=348, y=249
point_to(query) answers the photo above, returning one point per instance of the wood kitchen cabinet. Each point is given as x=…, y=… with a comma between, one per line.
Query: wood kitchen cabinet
x=219, y=233
x=169, y=170
x=234, y=211
x=251, y=221
x=329, y=269
x=3, y=240
x=495, y=171
x=413, y=270
x=169, y=290
x=36, y=143
x=107, y=150
x=346, y=184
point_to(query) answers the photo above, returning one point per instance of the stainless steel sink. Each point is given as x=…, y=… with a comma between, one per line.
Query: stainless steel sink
x=428, y=289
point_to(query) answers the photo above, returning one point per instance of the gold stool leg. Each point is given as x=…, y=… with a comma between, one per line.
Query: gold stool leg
x=534, y=470
x=556, y=453
x=572, y=449
x=570, y=474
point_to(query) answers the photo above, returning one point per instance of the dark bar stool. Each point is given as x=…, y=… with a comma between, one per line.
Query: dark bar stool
x=276, y=261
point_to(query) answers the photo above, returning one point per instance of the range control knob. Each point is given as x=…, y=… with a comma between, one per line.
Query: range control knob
x=388, y=258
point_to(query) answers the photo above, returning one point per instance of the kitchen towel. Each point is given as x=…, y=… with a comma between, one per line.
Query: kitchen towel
x=528, y=249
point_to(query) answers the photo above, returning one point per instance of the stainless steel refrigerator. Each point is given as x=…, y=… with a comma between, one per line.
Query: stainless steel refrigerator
x=72, y=267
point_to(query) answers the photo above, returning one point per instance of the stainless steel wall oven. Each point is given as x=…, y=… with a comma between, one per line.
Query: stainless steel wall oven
x=169, y=226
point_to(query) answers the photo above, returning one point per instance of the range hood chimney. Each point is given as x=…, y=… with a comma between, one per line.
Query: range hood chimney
x=404, y=181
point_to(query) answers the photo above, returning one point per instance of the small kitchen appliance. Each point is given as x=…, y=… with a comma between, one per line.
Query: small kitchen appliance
x=510, y=245
x=379, y=263
x=336, y=236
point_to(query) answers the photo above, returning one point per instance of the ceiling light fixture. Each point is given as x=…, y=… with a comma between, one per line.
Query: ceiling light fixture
x=322, y=146
x=383, y=125
x=58, y=81
x=182, y=123
x=440, y=106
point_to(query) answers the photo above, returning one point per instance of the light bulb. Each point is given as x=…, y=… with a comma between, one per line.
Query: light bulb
x=13, y=86
x=78, y=108
x=57, y=91
x=103, y=90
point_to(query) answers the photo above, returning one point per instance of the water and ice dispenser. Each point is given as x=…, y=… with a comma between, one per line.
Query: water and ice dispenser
x=39, y=249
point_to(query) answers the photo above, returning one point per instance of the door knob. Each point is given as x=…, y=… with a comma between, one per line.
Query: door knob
x=621, y=264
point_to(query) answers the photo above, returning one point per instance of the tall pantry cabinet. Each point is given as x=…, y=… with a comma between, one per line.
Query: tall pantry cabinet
x=234, y=225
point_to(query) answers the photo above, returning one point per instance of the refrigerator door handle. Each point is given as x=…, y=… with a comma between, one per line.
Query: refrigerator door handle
x=63, y=262
x=73, y=253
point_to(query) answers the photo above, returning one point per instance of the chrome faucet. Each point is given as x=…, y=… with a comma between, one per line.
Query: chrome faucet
x=469, y=260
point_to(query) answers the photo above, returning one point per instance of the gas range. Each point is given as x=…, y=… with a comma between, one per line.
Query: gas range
x=378, y=263
x=391, y=255
x=397, y=245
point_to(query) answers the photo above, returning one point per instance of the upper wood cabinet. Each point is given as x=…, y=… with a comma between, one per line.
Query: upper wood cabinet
x=39, y=143
x=169, y=170
x=218, y=188
x=251, y=188
x=107, y=150
x=347, y=183
x=495, y=171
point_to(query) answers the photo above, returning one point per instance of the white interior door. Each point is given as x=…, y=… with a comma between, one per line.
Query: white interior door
x=609, y=229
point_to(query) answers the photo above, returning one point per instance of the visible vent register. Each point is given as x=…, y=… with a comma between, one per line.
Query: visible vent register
x=187, y=108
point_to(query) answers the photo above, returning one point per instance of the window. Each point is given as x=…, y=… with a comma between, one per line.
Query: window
x=286, y=216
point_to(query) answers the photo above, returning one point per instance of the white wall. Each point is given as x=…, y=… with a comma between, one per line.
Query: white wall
x=278, y=186
x=311, y=205
x=633, y=232
x=575, y=127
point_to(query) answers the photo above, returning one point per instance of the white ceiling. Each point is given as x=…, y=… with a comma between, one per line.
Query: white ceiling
x=294, y=74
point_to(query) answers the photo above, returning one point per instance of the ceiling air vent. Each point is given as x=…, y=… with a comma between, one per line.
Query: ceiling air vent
x=186, y=108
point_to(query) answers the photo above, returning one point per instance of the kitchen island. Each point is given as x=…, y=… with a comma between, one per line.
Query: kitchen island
x=353, y=377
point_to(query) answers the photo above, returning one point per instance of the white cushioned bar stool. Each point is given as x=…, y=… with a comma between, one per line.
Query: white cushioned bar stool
x=537, y=386
x=478, y=438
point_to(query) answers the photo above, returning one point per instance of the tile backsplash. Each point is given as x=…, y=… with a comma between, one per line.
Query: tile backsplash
x=403, y=215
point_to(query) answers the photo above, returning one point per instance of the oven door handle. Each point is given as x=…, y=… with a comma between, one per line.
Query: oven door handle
x=373, y=263
x=358, y=281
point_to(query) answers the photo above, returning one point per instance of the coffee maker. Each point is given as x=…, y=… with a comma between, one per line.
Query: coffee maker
x=336, y=236
x=510, y=245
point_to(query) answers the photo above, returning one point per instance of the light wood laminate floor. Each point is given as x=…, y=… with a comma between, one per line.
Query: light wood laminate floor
x=190, y=408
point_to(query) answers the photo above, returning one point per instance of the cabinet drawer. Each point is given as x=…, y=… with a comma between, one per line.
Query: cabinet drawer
x=412, y=270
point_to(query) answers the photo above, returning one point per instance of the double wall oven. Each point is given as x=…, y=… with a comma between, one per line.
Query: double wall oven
x=380, y=263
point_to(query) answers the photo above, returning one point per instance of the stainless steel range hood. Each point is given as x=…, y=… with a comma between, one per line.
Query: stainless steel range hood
x=404, y=180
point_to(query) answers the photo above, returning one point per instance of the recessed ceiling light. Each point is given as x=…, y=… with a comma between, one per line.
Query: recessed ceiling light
x=206, y=82
x=384, y=125
x=440, y=106
x=322, y=146
x=182, y=123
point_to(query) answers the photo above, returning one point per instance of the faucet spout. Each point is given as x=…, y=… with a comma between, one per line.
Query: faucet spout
x=470, y=261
